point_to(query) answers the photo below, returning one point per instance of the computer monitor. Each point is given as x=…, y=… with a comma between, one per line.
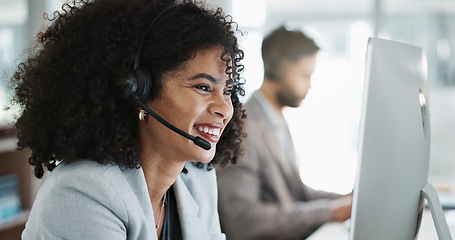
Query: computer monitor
x=394, y=145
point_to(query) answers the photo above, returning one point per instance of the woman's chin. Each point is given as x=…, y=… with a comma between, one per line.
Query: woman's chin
x=206, y=156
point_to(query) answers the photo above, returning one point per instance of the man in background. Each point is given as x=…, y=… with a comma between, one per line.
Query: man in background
x=262, y=196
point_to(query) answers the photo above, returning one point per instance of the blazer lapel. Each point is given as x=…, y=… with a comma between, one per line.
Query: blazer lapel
x=193, y=226
x=255, y=109
x=282, y=181
x=277, y=159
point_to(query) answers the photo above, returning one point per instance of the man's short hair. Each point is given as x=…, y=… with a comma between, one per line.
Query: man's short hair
x=283, y=44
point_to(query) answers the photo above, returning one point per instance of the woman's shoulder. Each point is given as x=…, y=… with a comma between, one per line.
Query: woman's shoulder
x=90, y=177
x=87, y=178
x=85, y=168
x=85, y=194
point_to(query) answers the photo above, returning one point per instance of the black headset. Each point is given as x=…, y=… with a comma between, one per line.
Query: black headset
x=139, y=79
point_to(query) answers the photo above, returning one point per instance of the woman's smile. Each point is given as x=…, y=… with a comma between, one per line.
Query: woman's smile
x=209, y=131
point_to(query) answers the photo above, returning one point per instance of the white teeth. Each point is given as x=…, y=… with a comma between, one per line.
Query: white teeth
x=216, y=132
x=211, y=131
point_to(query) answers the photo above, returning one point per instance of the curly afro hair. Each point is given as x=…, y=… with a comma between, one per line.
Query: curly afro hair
x=70, y=86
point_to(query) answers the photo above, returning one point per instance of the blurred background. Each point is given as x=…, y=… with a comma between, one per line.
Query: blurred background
x=325, y=128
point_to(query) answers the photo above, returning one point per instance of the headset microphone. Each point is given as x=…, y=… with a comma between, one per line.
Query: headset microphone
x=197, y=140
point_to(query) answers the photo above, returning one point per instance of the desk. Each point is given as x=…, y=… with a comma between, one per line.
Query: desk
x=340, y=231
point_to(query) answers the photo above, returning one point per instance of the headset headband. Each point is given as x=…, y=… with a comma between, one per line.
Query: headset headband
x=138, y=54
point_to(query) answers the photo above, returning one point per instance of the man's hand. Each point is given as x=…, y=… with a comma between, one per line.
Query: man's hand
x=341, y=208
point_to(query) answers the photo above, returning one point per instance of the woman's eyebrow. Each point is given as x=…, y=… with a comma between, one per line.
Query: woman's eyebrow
x=204, y=75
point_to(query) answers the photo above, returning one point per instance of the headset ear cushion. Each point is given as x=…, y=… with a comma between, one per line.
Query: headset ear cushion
x=144, y=83
x=129, y=85
x=138, y=82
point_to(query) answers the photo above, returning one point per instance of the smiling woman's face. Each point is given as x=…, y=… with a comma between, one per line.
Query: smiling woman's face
x=195, y=98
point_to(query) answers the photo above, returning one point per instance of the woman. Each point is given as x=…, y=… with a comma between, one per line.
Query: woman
x=122, y=174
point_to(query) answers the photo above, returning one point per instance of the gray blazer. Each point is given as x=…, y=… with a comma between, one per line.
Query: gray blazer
x=263, y=198
x=86, y=200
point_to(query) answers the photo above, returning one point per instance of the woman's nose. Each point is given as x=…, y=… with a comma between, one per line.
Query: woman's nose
x=222, y=106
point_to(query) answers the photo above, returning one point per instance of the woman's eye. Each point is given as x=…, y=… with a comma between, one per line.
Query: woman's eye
x=204, y=88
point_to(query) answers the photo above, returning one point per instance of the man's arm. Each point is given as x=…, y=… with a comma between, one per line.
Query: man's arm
x=243, y=212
